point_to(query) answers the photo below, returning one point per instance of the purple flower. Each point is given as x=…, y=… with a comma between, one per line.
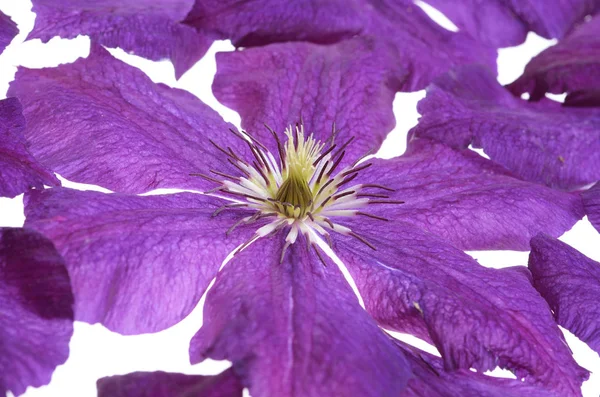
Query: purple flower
x=540, y=142
x=8, y=31
x=570, y=282
x=281, y=310
x=572, y=66
x=36, y=314
x=504, y=23
x=163, y=384
x=19, y=171
x=148, y=28
x=591, y=201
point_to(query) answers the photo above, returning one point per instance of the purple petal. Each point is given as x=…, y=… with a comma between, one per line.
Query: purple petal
x=103, y=122
x=19, y=171
x=36, y=310
x=163, y=384
x=477, y=317
x=506, y=23
x=8, y=31
x=573, y=65
x=137, y=264
x=404, y=34
x=283, y=83
x=570, y=283
x=540, y=142
x=467, y=199
x=149, y=28
x=295, y=328
x=591, y=201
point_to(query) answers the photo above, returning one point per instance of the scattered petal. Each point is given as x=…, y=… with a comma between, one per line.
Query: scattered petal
x=570, y=283
x=477, y=317
x=540, y=142
x=19, y=171
x=148, y=28
x=591, y=201
x=467, y=199
x=103, y=122
x=295, y=328
x=8, y=31
x=163, y=384
x=137, y=264
x=36, y=310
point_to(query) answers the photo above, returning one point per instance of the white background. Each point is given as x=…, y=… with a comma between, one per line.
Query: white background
x=97, y=352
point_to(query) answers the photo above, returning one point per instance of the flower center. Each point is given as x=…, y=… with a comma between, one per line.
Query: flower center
x=301, y=191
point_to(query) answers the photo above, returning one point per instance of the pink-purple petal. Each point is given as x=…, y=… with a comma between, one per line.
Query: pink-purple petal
x=103, y=122
x=295, y=328
x=477, y=317
x=148, y=28
x=571, y=66
x=8, y=31
x=19, y=171
x=467, y=199
x=570, y=283
x=164, y=384
x=137, y=264
x=36, y=310
x=282, y=84
x=591, y=202
x=540, y=142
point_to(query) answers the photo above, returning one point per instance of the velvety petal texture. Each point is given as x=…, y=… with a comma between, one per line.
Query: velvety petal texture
x=571, y=66
x=467, y=199
x=411, y=47
x=504, y=23
x=282, y=84
x=295, y=328
x=8, y=31
x=19, y=171
x=591, y=201
x=477, y=317
x=36, y=310
x=570, y=282
x=540, y=142
x=103, y=122
x=148, y=28
x=164, y=384
x=137, y=264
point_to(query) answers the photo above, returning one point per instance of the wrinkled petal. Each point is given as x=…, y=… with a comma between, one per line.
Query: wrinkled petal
x=137, y=264
x=163, y=384
x=404, y=33
x=573, y=65
x=148, y=28
x=36, y=310
x=503, y=23
x=570, y=283
x=477, y=317
x=467, y=199
x=19, y=171
x=431, y=380
x=540, y=142
x=103, y=122
x=591, y=201
x=282, y=84
x=295, y=328
x=8, y=31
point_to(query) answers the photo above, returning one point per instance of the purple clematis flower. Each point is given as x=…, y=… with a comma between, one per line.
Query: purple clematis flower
x=540, y=142
x=163, y=384
x=570, y=282
x=572, y=66
x=36, y=310
x=8, y=31
x=19, y=171
x=280, y=310
x=591, y=201
x=148, y=28
x=504, y=23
